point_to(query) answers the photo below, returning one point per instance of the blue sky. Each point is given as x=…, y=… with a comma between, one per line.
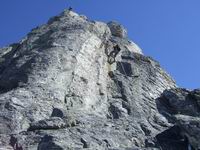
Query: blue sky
x=169, y=30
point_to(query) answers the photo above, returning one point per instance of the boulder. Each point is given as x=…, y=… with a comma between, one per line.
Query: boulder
x=117, y=29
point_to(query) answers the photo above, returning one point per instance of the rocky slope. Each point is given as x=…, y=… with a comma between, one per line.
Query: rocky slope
x=76, y=84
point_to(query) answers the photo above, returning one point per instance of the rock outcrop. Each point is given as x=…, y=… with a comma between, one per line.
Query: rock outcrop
x=79, y=84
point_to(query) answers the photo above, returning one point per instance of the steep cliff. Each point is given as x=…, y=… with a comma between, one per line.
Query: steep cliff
x=74, y=83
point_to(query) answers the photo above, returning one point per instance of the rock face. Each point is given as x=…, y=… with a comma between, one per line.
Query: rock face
x=181, y=107
x=79, y=84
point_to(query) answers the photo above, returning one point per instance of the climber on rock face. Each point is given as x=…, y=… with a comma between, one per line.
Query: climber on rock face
x=117, y=49
x=113, y=54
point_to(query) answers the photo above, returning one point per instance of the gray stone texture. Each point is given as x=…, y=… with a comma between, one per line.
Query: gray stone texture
x=78, y=84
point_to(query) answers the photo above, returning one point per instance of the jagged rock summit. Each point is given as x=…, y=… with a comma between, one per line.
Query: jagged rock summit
x=79, y=84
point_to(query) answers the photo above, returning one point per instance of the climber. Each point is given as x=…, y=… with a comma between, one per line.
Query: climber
x=116, y=49
x=113, y=54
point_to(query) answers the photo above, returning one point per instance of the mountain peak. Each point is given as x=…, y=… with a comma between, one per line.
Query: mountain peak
x=74, y=83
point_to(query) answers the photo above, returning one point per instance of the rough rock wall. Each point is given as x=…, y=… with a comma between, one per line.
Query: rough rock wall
x=74, y=84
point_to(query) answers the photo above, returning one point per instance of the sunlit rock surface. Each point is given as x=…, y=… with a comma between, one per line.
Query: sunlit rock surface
x=74, y=83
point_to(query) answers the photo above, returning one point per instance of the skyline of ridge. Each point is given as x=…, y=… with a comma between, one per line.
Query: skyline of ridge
x=167, y=31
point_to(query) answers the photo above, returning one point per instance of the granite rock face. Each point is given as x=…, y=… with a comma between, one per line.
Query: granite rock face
x=181, y=108
x=79, y=84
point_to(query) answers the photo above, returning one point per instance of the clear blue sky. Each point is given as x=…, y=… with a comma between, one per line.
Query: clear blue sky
x=169, y=30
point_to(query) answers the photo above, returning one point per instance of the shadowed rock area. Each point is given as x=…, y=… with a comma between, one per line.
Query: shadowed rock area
x=79, y=84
